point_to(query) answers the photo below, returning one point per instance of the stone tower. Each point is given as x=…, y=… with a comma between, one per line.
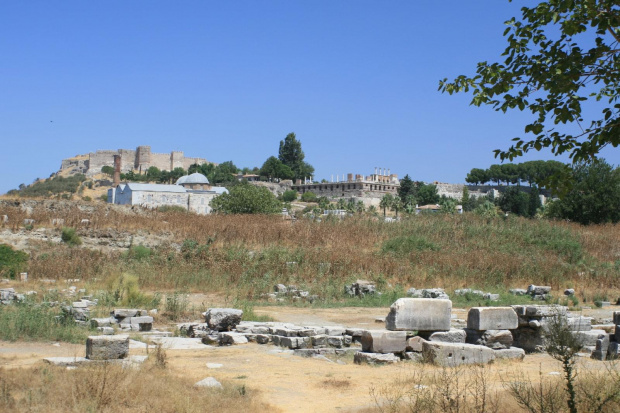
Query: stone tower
x=143, y=158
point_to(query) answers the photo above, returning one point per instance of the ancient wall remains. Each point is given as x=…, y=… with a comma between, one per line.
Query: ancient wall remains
x=139, y=160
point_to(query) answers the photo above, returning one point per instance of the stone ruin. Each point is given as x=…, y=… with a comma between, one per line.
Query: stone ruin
x=282, y=292
x=478, y=293
x=361, y=288
x=125, y=320
x=438, y=293
x=416, y=329
x=491, y=333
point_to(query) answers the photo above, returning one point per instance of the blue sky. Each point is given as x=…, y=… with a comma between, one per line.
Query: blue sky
x=227, y=80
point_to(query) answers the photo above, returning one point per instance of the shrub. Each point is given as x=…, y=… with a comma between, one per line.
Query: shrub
x=54, y=186
x=11, y=262
x=309, y=197
x=289, y=196
x=126, y=291
x=139, y=252
x=247, y=199
x=70, y=237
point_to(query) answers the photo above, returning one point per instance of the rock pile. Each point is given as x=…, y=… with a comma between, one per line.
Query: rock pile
x=125, y=319
x=79, y=311
x=481, y=294
x=8, y=296
x=438, y=293
x=361, y=288
x=282, y=292
x=538, y=292
x=487, y=337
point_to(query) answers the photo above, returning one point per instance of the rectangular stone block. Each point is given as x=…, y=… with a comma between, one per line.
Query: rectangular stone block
x=102, y=322
x=495, y=339
x=319, y=341
x=451, y=354
x=107, y=347
x=492, y=318
x=382, y=341
x=419, y=314
x=588, y=338
x=540, y=310
x=415, y=344
x=579, y=323
x=453, y=336
x=512, y=353
x=230, y=338
x=335, y=341
x=614, y=350
x=286, y=332
x=335, y=330
x=127, y=312
x=375, y=358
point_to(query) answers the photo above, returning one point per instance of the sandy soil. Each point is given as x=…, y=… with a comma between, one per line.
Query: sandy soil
x=289, y=382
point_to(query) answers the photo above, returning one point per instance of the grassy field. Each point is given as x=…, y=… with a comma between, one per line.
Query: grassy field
x=243, y=257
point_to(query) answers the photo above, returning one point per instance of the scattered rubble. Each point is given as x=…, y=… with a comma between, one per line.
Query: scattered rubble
x=438, y=293
x=361, y=288
x=282, y=293
x=481, y=294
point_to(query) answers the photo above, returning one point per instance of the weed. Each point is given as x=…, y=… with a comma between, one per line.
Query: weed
x=70, y=237
x=34, y=322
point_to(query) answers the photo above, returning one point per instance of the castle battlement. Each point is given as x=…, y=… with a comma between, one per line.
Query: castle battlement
x=138, y=160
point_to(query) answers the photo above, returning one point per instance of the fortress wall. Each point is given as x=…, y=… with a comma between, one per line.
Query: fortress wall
x=160, y=161
x=128, y=159
x=187, y=162
x=176, y=159
x=143, y=158
x=139, y=160
x=99, y=159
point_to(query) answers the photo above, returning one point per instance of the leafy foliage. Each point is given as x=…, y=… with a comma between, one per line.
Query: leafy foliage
x=291, y=155
x=594, y=197
x=246, y=199
x=561, y=55
x=52, y=186
x=70, y=237
x=309, y=197
x=289, y=195
x=108, y=170
x=532, y=172
x=274, y=168
x=12, y=262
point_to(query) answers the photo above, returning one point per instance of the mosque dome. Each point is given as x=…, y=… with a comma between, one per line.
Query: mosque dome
x=195, y=178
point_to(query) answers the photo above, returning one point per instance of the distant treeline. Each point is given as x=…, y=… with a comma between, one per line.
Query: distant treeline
x=531, y=172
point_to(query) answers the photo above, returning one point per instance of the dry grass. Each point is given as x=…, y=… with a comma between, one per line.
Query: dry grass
x=252, y=252
x=335, y=383
x=110, y=388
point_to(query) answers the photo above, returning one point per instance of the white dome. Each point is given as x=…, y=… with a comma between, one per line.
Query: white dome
x=195, y=178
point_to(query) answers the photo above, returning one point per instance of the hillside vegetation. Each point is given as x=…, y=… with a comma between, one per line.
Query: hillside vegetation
x=244, y=256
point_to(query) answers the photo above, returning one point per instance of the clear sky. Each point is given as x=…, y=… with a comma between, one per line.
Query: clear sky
x=227, y=80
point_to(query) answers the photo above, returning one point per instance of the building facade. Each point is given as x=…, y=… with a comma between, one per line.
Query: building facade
x=369, y=189
x=191, y=192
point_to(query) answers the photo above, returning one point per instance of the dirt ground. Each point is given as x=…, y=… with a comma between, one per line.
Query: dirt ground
x=289, y=382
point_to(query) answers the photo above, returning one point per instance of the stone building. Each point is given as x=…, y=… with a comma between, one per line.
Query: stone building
x=369, y=189
x=192, y=192
x=138, y=160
